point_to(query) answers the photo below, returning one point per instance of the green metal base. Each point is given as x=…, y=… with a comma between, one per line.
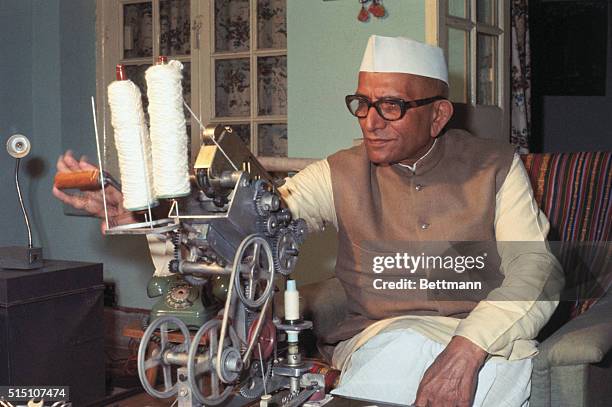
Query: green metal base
x=158, y=285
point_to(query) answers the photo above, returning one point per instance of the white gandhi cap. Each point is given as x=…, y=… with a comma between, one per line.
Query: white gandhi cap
x=404, y=55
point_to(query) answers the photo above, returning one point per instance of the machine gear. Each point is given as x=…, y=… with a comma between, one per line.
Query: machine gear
x=254, y=386
x=299, y=229
x=286, y=250
x=265, y=201
x=268, y=226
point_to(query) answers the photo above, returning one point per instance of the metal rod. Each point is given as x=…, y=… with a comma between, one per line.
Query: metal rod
x=261, y=363
x=95, y=123
x=192, y=267
x=285, y=164
x=23, y=209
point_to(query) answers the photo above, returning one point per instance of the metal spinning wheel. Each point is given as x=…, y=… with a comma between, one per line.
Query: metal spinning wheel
x=255, y=267
x=159, y=357
x=202, y=364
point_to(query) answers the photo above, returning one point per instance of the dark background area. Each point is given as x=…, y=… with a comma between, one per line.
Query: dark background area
x=571, y=45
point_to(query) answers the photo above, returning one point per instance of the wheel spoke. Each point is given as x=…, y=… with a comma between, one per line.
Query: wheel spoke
x=152, y=362
x=214, y=383
x=256, y=251
x=212, y=353
x=167, y=377
x=163, y=333
x=251, y=289
x=212, y=343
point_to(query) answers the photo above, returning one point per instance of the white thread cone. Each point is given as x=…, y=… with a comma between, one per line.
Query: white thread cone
x=133, y=145
x=168, y=130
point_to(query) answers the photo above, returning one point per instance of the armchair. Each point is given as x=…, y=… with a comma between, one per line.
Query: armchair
x=574, y=364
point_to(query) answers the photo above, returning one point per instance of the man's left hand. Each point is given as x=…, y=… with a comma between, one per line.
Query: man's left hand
x=452, y=378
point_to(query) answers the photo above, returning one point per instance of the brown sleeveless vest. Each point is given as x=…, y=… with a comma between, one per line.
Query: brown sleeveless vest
x=449, y=197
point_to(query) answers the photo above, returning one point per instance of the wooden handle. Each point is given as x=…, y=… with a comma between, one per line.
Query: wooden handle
x=83, y=180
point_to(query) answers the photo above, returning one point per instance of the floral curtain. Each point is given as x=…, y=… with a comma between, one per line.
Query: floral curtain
x=175, y=27
x=521, y=77
x=233, y=75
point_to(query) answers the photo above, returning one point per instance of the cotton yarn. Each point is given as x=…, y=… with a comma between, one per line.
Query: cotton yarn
x=133, y=145
x=168, y=130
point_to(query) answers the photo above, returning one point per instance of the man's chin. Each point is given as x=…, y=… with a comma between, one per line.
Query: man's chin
x=381, y=156
x=378, y=160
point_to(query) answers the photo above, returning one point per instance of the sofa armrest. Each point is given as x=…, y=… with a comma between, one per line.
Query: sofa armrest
x=324, y=303
x=583, y=340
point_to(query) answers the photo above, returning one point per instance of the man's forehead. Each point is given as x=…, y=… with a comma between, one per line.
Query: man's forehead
x=392, y=83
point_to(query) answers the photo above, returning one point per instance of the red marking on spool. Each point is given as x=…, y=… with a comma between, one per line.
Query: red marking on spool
x=120, y=72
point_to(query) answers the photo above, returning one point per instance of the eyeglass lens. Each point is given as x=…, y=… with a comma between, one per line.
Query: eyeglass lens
x=388, y=109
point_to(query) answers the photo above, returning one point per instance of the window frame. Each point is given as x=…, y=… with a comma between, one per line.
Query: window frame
x=437, y=23
x=109, y=52
x=209, y=55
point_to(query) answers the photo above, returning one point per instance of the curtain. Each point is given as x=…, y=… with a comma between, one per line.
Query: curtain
x=521, y=77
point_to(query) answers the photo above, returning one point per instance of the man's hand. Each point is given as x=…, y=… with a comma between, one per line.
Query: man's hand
x=452, y=378
x=91, y=201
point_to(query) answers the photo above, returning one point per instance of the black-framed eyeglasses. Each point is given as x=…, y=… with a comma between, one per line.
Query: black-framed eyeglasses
x=388, y=108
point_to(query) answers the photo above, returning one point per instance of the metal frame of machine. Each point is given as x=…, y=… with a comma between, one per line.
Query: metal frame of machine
x=231, y=232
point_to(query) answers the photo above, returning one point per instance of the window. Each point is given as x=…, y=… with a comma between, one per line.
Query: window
x=473, y=38
x=244, y=56
x=234, y=54
x=477, y=47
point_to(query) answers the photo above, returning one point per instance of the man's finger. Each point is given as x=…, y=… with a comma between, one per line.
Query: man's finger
x=61, y=164
x=84, y=165
x=422, y=400
x=114, y=196
x=64, y=197
x=76, y=201
x=71, y=163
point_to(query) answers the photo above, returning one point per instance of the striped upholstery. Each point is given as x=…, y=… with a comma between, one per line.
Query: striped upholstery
x=573, y=190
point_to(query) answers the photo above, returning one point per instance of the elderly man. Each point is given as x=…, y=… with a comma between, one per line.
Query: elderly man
x=412, y=181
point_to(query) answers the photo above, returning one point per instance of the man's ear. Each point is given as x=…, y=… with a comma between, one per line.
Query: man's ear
x=442, y=112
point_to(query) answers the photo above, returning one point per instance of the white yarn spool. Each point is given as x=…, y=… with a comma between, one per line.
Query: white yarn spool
x=168, y=130
x=133, y=145
x=292, y=302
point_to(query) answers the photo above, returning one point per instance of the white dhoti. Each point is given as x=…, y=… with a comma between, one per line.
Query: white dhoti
x=386, y=364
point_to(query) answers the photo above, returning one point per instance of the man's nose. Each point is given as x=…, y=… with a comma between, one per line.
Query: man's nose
x=373, y=121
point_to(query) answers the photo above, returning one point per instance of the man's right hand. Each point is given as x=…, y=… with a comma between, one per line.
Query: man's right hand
x=91, y=201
